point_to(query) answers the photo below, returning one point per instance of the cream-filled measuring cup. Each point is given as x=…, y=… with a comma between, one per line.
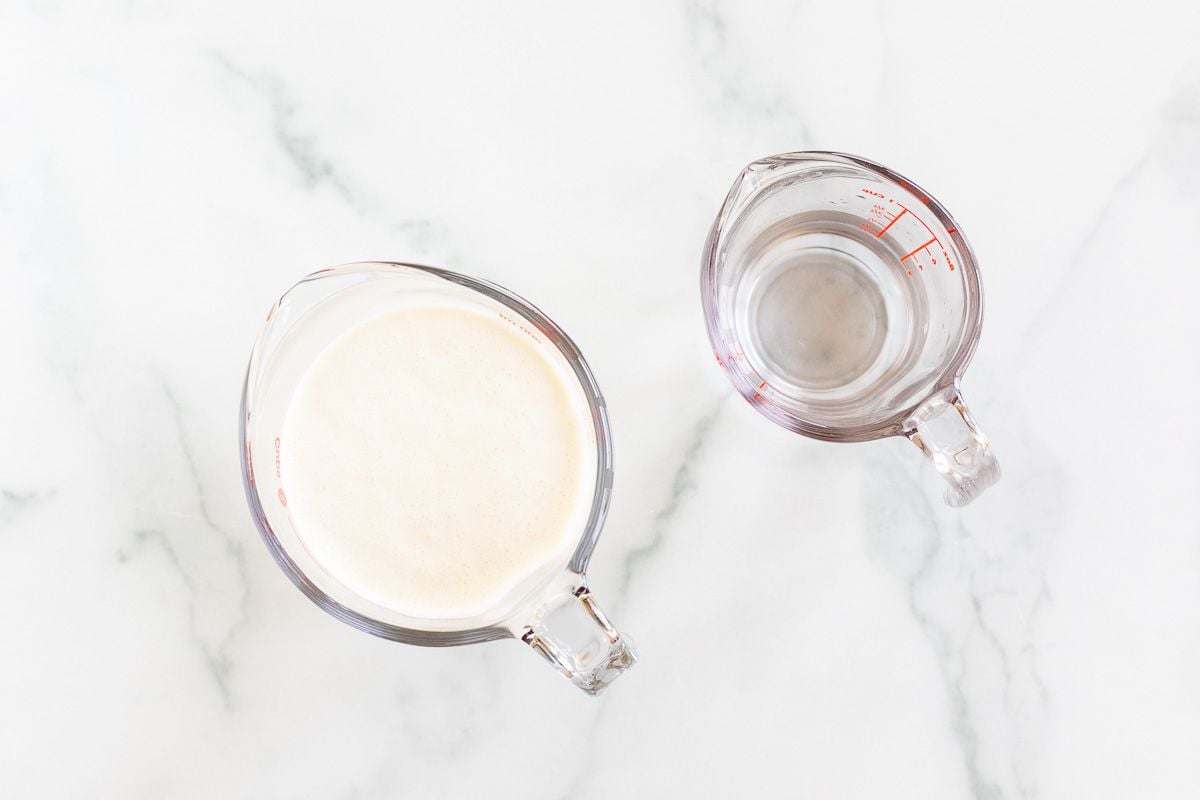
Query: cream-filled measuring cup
x=323, y=327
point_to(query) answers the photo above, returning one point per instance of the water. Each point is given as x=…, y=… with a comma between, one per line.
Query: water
x=823, y=308
x=820, y=318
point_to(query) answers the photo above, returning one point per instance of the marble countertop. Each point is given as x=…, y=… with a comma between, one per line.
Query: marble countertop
x=812, y=621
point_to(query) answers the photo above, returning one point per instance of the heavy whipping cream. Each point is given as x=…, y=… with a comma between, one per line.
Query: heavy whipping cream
x=436, y=457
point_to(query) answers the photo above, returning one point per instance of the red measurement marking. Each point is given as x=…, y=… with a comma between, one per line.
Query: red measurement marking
x=520, y=327
x=893, y=222
x=933, y=237
x=872, y=192
x=761, y=385
x=282, y=497
x=918, y=249
x=926, y=227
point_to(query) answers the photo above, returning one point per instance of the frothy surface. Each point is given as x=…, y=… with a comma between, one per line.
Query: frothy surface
x=434, y=457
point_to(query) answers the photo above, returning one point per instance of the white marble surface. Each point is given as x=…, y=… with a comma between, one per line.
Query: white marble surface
x=812, y=621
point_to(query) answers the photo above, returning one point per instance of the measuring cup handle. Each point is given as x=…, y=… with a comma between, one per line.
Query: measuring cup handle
x=946, y=432
x=603, y=655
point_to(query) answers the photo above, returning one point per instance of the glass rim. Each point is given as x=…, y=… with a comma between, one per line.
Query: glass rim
x=601, y=496
x=952, y=368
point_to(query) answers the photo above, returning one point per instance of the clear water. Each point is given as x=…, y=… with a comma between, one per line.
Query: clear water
x=820, y=318
x=824, y=309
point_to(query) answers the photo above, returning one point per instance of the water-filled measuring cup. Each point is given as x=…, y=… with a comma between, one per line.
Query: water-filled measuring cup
x=552, y=610
x=844, y=303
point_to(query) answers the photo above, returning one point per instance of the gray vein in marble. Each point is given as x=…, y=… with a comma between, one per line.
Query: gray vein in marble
x=978, y=599
x=710, y=38
x=575, y=788
x=427, y=239
x=948, y=657
x=885, y=90
x=220, y=662
x=1006, y=658
x=1073, y=275
x=444, y=729
x=1026, y=787
x=300, y=148
x=1184, y=106
x=315, y=167
x=950, y=644
x=216, y=656
x=216, y=662
x=682, y=484
x=14, y=503
x=1040, y=600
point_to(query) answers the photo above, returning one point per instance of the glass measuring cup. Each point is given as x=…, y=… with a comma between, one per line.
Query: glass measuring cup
x=844, y=303
x=552, y=611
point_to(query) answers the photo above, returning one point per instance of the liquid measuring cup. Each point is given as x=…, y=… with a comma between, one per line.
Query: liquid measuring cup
x=551, y=611
x=844, y=303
